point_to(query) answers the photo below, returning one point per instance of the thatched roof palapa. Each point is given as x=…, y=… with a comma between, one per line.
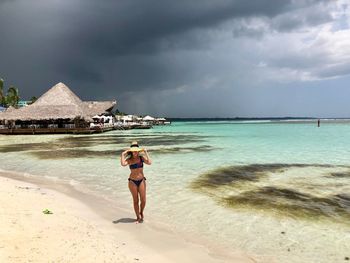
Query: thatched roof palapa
x=59, y=102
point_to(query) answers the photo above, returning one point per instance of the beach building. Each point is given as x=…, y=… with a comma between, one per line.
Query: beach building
x=148, y=119
x=128, y=119
x=161, y=121
x=103, y=121
x=23, y=103
x=126, y=122
x=58, y=110
x=131, y=122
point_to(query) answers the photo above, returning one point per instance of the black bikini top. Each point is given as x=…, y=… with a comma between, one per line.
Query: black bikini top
x=137, y=165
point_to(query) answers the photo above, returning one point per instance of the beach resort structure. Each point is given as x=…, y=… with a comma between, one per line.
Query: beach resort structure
x=23, y=103
x=137, y=122
x=126, y=122
x=59, y=110
x=155, y=121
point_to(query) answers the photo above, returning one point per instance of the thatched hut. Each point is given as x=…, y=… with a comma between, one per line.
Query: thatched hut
x=58, y=110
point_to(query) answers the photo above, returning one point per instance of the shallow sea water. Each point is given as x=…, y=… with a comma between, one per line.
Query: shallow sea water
x=270, y=189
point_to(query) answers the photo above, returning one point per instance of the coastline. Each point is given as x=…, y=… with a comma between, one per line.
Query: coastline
x=88, y=164
x=82, y=227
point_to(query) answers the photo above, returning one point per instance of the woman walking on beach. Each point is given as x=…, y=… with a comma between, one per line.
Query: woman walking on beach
x=137, y=180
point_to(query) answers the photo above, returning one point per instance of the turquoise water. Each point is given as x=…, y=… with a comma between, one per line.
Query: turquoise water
x=277, y=189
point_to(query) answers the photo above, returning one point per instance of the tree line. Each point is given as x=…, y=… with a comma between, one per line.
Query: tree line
x=11, y=98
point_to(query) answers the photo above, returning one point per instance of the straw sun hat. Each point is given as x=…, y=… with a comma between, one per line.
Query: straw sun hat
x=134, y=147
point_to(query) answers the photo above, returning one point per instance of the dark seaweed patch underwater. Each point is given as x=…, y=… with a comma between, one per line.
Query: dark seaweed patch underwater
x=86, y=141
x=82, y=146
x=86, y=153
x=253, y=192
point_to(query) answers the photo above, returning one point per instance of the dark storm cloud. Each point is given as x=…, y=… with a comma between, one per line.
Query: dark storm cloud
x=106, y=49
x=119, y=28
x=95, y=30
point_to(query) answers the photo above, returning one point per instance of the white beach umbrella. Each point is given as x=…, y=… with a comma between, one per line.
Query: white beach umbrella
x=148, y=118
x=127, y=118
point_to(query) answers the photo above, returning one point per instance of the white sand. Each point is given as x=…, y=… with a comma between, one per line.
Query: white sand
x=75, y=233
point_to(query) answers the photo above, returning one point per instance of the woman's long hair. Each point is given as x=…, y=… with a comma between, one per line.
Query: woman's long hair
x=128, y=155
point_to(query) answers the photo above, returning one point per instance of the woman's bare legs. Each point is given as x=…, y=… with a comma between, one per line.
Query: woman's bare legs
x=135, y=196
x=142, y=192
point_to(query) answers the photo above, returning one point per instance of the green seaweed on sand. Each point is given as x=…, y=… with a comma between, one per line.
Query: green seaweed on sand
x=47, y=212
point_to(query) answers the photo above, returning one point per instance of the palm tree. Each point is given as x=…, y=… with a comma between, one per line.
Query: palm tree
x=2, y=95
x=12, y=97
x=33, y=99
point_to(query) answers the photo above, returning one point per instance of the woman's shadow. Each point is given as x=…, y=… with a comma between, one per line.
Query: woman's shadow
x=124, y=220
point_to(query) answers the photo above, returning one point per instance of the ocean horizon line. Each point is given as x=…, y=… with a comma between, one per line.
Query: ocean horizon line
x=254, y=118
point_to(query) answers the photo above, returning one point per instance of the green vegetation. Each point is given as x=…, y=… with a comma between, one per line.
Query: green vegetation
x=120, y=113
x=33, y=99
x=12, y=96
x=2, y=95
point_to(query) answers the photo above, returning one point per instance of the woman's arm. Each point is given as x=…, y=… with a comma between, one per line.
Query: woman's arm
x=146, y=160
x=123, y=161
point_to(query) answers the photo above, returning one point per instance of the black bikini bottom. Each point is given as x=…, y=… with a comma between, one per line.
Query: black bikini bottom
x=137, y=182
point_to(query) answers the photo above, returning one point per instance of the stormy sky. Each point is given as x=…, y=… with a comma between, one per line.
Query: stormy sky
x=222, y=58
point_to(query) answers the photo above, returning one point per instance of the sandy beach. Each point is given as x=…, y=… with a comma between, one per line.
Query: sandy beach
x=74, y=232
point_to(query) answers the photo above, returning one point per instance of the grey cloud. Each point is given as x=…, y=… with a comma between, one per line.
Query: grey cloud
x=289, y=20
x=251, y=28
x=333, y=71
x=106, y=49
x=6, y=1
x=82, y=72
x=316, y=61
x=136, y=26
x=139, y=30
x=309, y=16
x=302, y=59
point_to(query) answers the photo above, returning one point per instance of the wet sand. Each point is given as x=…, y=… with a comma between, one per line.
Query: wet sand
x=75, y=232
